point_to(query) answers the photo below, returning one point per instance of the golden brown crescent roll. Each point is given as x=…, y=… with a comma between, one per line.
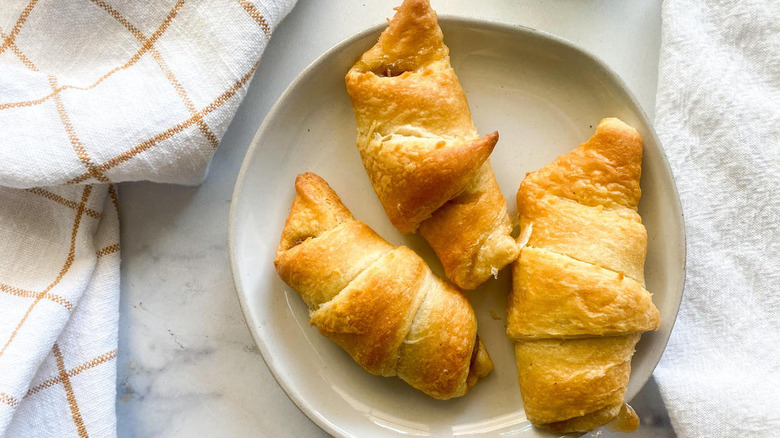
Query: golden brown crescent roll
x=421, y=150
x=380, y=303
x=578, y=301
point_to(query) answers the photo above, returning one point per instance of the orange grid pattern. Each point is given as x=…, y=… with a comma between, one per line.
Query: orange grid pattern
x=107, y=250
x=72, y=402
x=65, y=268
x=7, y=399
x=96, y=171
x=66, y=202
x=48, y=383
x=30, y=294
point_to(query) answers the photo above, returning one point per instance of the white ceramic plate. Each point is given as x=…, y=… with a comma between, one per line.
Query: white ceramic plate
x=544, y=96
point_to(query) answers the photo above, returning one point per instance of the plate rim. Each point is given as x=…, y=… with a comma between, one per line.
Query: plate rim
x=444, y=19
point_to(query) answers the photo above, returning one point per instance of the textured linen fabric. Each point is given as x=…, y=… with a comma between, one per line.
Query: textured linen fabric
x=718, y=117
x=94, y=92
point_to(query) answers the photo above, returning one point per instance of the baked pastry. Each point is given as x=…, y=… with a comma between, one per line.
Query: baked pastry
x=578, y=301
x=380, y=303
x=421, y=150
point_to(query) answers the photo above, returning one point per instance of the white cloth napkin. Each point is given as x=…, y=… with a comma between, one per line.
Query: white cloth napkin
x=94, y=92
x=718, y=116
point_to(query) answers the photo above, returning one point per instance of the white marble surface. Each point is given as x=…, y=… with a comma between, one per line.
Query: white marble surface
x=187, y=363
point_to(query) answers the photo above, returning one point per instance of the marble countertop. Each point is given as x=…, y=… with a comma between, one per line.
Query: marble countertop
x=187, y=363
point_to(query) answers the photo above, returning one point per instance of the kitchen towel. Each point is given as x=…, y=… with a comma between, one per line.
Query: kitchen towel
x=718, y=117
x=94, y=92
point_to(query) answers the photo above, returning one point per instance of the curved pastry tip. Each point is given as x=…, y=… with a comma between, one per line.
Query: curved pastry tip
x=315, y=209
x=617, y=141
x=441, y=175
x=611, y=158
x=481, y=364
x=488, y=142
x=626, y=421
x=412, y=39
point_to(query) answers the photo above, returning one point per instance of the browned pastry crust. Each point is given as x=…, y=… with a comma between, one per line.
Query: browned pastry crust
x=421, y=150
x=381, y=303
x=578, y=303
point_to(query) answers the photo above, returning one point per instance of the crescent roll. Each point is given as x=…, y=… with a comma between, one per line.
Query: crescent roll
x=578, y=303
x=380, y=303
x=422, y=153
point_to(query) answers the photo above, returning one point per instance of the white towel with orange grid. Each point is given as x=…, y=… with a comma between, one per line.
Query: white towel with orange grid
x=94, y=92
